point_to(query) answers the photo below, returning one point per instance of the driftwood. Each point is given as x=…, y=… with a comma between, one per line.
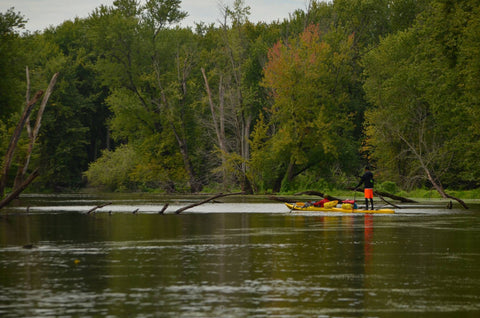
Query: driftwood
x=163, y=209
x=98, y=207
x=207, y=200
x=465, y=206
x=393, y=196
x=19, y=190
x=387, y=202
x=381, y=194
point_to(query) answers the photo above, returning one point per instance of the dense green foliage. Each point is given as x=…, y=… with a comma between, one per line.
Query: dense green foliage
x=295, y=104
x=419, y=80
x=12, y=60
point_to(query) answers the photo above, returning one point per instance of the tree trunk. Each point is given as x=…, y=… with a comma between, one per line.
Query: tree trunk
x=440, y=189
x=195, y=186
x=206, y=200
x=436, y=184
x=162, y=211
x=219, y=128
x=27, y=99
x=394, y=197
x=236, y=49
x=181, y=141
x=246, y=185
x=14, y=141
x=97, y=207
x=34, y=133
x=19, y=190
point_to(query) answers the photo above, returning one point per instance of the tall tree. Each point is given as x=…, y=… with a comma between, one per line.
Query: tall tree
x=236, y=47
x=12, y=63
x=73, y=125
x=310, y=115
x=148, y=68
x=233, y=78
x=420, y=111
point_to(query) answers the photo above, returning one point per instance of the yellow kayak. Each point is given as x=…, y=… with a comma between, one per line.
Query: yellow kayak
x=300, y=206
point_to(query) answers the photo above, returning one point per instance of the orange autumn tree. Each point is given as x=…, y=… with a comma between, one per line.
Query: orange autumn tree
x=308, y=128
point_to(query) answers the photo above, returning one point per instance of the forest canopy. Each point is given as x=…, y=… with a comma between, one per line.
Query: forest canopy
x=300, y=103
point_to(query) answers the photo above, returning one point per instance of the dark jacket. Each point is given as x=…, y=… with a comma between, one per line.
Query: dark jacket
x=367, y=180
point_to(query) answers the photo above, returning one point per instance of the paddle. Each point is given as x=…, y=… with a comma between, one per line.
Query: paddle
x=354, y=196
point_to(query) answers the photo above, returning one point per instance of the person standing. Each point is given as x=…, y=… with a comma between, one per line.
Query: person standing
x=367, y=181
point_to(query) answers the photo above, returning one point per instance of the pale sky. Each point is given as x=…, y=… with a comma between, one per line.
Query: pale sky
x=44, y=13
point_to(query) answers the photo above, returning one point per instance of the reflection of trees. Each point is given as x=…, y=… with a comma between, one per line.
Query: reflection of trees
x=213, y=263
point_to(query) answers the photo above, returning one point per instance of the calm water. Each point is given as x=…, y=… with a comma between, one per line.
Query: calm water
x=247, y=259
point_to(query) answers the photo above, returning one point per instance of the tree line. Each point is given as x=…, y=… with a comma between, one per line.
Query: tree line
x=302, y=103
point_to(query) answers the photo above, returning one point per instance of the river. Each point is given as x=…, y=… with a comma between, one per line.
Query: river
x=236, y=258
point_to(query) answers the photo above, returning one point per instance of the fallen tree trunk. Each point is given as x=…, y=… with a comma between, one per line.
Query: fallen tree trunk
x=429, y=171
x=19, y=190
x=163, y=209
x=394, y=197
x=14, y=141
x=388, y=195
x=438, y=186
x=98, y=207
x=206, y=200
x=387, y=202
x=465, y=206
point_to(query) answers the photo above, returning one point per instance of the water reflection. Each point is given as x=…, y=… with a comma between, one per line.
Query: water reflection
x=247, y=264
x=368, y=237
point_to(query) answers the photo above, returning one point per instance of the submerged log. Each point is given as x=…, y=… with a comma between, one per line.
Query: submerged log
x=393, y=196
x=19, y=190
x=163, y=209
x=381, y=194
x=462, y=203
x=220, y=195
x=387, y=202
x=98, y=207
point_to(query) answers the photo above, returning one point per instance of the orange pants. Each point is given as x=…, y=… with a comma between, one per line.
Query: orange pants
x=368, y=193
